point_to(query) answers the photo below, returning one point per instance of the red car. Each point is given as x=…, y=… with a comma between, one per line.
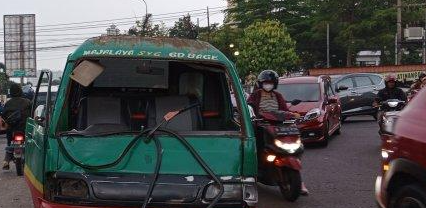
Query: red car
x=402, y=182
x=320, y=106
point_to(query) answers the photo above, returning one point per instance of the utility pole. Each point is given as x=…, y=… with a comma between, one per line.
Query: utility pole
x=208, y=24
x=21, y=48
x=399, y=31
x=424, y=42
x=328, y=45
x=198, y=25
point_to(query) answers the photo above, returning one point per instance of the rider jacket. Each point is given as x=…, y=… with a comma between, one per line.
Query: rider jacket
x=255, y=98
x=391, y=93
x=15, y=104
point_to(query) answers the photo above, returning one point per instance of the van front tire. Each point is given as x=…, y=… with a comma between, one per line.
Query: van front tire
x=412, y=196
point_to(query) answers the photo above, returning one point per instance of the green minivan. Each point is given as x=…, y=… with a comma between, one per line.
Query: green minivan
x=142, y=122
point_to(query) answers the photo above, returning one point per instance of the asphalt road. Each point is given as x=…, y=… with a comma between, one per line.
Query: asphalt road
x=339, y=176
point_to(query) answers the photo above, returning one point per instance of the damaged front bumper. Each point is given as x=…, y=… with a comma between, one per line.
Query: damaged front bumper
x=129, y=190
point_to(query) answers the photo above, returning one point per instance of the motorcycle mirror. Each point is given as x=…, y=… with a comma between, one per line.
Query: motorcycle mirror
x=296, y=102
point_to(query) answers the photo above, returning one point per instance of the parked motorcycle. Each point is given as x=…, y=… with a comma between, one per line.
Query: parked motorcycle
x=17, y=146
x=388, y=110
x=279, y=150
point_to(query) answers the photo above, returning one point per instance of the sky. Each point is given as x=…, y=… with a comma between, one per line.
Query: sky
x=53, y=18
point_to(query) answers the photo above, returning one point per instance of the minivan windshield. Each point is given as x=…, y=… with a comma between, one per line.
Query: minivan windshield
x=304, y=91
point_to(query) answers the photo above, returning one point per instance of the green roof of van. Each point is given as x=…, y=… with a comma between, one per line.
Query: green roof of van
x=143, y=47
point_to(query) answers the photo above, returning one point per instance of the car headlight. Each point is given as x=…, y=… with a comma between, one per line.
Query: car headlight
x=289, y=147
x=312, y=114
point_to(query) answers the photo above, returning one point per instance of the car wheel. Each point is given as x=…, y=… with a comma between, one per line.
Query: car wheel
x=409, y=196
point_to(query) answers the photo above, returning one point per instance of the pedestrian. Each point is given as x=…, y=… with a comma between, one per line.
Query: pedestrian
x=15, y=113
x=267, y=99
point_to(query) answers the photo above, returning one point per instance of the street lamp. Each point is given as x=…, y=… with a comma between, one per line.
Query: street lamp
x=236, y=53
x=146, y=8
x=231, y=45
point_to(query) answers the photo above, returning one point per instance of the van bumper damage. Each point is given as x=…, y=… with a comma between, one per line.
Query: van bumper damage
x=81, y=190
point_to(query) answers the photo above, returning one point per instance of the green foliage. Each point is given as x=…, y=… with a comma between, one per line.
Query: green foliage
x=145, y=28
x=266, y=45
x=222, y=38
x=354, y=25
x=4, y=80
x=184, y=28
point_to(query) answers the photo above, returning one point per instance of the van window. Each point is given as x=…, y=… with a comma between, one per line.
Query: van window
x=112, y=104
x=363, y=81
x=346, y=82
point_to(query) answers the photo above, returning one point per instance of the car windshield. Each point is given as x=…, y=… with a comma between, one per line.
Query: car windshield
x=303, y=92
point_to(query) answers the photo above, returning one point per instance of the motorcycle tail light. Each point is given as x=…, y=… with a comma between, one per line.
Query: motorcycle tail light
x=19, y=137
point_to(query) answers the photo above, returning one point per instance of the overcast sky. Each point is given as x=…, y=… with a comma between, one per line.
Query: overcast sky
x=60, y=12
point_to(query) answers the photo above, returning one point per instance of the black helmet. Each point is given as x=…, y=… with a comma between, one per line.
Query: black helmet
x=268, y=76
x=15, y=90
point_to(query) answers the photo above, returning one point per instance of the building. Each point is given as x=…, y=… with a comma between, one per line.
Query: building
x=368, y=58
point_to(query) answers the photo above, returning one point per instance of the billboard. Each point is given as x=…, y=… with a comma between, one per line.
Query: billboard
x=20, y=45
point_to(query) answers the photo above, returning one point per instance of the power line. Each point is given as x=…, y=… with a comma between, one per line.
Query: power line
x=92, y=26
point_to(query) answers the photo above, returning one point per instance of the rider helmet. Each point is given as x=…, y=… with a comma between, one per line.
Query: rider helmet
x=268, y=76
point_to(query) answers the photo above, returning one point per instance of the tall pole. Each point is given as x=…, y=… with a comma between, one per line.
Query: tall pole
x=399, y=31
x=208, y=24
x=328, y=45
x=396, y=49
x=198, y=25
x=424, y=42
x=21, y=48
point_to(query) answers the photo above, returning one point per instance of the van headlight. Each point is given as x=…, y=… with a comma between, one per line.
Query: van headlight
x=231, y=191
x=289, y=147
x=312, y=114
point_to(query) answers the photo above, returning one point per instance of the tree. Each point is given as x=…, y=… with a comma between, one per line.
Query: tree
x=145, y=28
x=222, y=38
x=184, y=28
x=266, y=45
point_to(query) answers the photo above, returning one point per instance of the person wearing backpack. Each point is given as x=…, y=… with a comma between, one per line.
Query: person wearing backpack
x=15, y=113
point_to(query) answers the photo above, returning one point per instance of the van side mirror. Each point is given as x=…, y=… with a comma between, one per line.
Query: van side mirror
x=40, y=115
x=341, y=88
x=251, y=111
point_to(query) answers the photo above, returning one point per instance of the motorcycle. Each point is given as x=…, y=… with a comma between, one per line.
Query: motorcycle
x=17, y=147
x=388, y=111
x=279, y=150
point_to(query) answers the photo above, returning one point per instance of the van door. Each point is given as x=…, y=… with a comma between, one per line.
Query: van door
x=36, y=133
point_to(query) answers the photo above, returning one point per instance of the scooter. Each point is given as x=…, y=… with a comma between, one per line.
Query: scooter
x=279, y=149
x=17, y=146
x=388, y=111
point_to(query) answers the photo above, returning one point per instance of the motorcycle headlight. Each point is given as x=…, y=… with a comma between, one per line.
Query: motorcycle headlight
x=289, y=147
x=312, y=114
x=393, y=104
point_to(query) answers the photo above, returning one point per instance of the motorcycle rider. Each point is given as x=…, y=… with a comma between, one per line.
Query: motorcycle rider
x=15, y=113
x=391, y=91
x=267, y=99
x=417, y=84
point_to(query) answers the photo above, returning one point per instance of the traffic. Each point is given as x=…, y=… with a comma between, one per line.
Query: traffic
x=83, y=141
